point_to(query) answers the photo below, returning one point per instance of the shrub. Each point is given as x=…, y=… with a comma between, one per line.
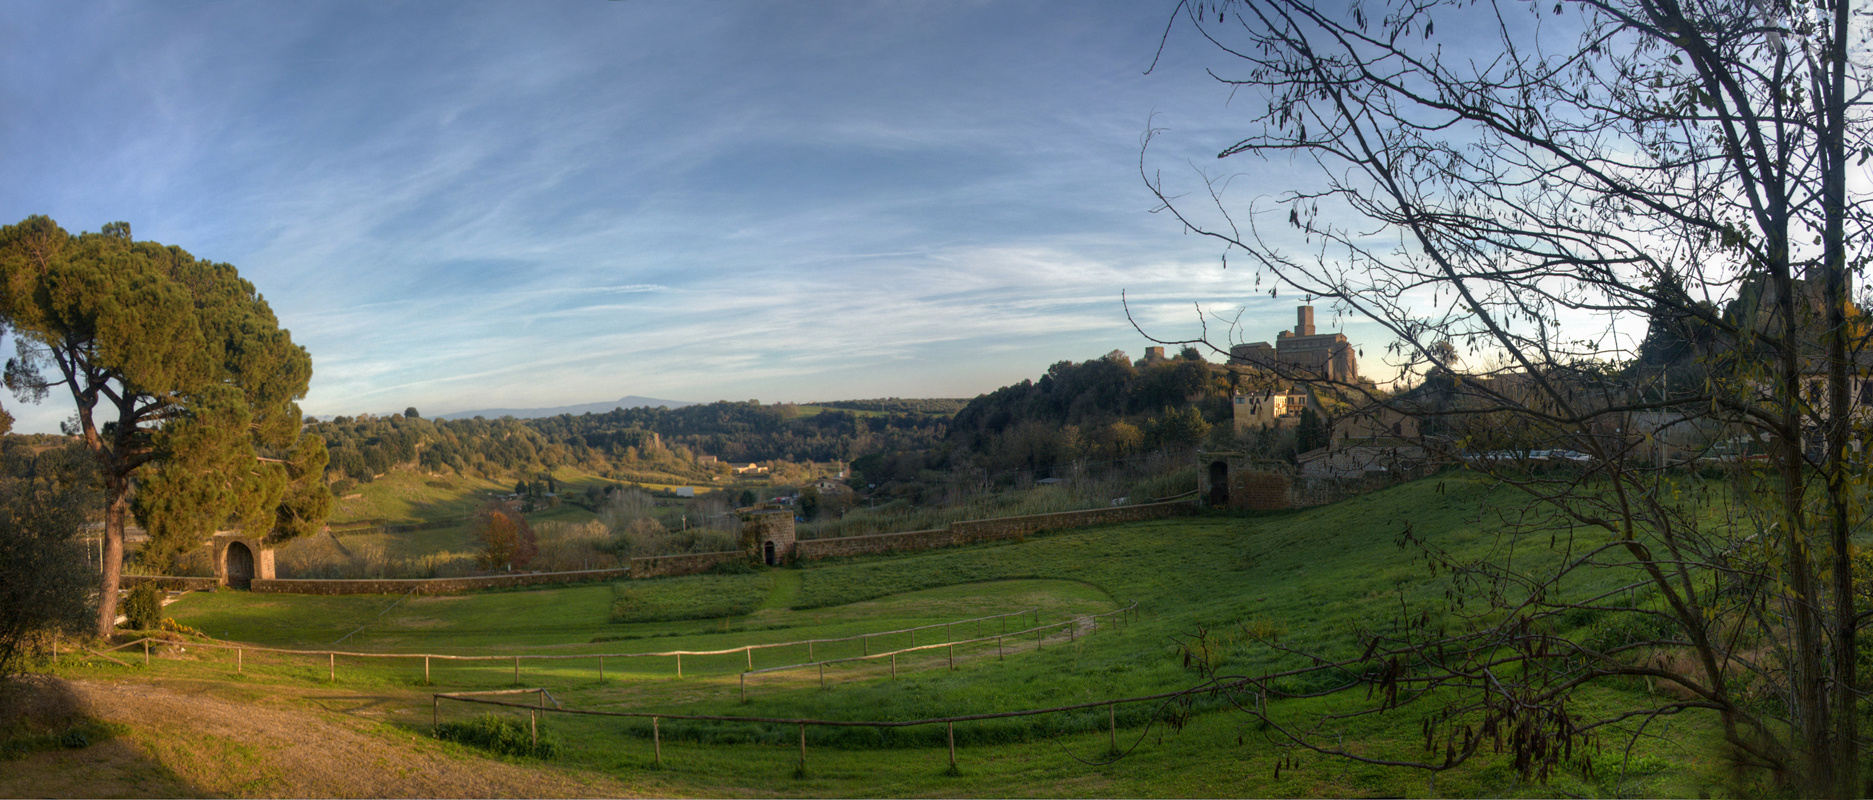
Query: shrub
x=499, y=735
x=143, y=609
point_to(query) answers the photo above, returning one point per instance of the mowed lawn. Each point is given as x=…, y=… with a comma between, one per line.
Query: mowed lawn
x=1313, y=578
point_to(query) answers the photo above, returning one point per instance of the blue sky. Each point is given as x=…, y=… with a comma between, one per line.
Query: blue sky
x=468, y=205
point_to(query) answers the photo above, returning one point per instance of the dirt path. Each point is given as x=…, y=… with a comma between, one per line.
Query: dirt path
x=185, y=741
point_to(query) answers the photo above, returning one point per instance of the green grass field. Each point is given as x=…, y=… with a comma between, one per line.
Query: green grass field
x=1313, y=577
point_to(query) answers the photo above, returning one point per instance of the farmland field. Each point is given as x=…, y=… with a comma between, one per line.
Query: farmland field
x=1311, y=579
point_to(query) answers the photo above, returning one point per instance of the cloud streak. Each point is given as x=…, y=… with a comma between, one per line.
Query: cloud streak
x=484, y=204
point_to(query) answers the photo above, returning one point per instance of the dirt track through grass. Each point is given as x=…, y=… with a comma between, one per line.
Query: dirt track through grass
x=200, y=739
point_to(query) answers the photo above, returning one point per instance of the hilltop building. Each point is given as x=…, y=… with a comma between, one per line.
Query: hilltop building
x=1297, y=355
x=1302, y=353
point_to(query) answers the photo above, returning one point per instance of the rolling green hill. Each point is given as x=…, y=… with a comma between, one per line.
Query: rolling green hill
x=1309, y=580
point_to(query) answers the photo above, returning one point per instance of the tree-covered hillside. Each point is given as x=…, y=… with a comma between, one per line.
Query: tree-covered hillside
x=668, y=440
x=1101, y=409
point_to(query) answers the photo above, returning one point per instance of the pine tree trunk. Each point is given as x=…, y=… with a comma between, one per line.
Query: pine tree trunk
x=113, y=567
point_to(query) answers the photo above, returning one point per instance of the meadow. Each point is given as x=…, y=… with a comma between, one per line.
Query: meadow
x=1309, y=579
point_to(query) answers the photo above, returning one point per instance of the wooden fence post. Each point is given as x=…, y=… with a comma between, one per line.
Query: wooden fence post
x=435, y=713
x=679, y=665
x=656, y=739
x=952, y=727
x=822, y=676
x=146, y=652
x=331, y=667
x=952, y=656
x=240, y=661
x=998, y=649
x=893, y=666
x=750, y=652
x=601, y=669
x=533, y=725
x=744, y=687
x=802, y=747
x=1112, y=716
x=425, y=670
x=516, y=670
x=809, y=650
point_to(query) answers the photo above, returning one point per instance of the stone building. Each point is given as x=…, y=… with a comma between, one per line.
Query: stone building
x=1302, y=352
x=1267, y=409
x=1243, y=482
x=767, y=536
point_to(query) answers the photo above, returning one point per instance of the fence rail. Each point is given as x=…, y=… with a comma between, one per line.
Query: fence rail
x=240, y=650
x=1210, y=686
x=1039, y=631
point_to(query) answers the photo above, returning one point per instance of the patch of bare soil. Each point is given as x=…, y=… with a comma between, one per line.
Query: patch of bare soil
x=187, y=741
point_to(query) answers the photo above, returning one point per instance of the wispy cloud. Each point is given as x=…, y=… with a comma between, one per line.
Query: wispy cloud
x=483, y=204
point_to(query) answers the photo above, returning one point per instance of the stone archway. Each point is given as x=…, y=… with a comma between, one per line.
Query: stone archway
x=240, y=561
x=767, y=549
x=1219, y=484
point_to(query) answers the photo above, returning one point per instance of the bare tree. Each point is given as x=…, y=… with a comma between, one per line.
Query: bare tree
x=1533, y=185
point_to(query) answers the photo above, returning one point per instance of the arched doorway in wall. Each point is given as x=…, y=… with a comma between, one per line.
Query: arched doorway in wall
x=240, y=566
x=1219, y=484
x=767, y=551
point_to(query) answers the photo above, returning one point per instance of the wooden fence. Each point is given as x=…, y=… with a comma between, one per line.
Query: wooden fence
x=1214, y=686
x=1038, y=630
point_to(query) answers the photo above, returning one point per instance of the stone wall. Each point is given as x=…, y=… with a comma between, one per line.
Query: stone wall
x=958, y=533
x=811, y=549
x=170, y=582
x=1260, y=491
x=431, y=585
x=986, y=530
x=687, y=564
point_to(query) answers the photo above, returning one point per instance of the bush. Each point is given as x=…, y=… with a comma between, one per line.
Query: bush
x=499, y=735
x=143, y=609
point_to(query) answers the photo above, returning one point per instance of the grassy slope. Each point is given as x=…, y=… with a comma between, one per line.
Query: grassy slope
x=403, y=497
x=1316, y=576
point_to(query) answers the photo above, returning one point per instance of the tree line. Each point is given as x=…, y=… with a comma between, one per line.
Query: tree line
x=662, y=439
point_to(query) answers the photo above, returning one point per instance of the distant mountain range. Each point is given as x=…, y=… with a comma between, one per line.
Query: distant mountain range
x=632, y=401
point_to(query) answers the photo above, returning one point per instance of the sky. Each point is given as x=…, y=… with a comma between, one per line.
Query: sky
x=468, y=205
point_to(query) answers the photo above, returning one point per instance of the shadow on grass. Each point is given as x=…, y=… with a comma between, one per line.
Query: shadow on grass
x=51, y=745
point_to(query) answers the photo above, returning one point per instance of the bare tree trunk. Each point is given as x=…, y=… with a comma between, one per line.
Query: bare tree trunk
x=1845, y=692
